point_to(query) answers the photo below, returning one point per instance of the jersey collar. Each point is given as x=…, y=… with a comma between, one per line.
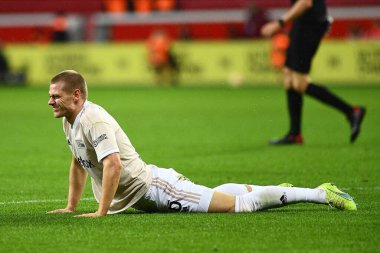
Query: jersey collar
x=76, y=122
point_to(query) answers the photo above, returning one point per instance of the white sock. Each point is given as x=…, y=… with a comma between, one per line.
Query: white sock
x=266, y=197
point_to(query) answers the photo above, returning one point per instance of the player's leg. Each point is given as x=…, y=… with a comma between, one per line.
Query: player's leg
x=300, y=81
x=305, y=50
x=254, y=198
x=222, y=203
x=267, y=197
x=274, y=196
x=294, y=98
x=302, y=84
x=241, y=189
x=354, y=114
x=294, y=105
x=170, y=191
x=298, y=58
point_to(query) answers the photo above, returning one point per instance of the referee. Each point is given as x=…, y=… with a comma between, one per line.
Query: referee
x=310, y=24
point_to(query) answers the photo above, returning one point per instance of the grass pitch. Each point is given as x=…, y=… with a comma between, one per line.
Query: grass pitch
x=212, y=136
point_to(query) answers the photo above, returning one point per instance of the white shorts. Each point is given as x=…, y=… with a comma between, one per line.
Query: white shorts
x=171, y=191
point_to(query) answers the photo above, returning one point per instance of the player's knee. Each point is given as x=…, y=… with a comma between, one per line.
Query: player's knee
x=221, y=203
x=287, y=79
x=299, y=84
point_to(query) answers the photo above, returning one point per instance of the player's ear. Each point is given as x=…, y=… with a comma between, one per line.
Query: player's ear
x=77, y=94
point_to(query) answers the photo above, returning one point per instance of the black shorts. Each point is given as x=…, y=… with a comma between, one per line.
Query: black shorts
x=304, y=42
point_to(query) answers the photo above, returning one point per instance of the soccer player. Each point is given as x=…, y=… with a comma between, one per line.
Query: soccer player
x=121, y=179
x=310, y=23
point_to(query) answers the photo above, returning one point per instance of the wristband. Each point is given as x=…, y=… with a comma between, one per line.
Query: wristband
x=281, y=22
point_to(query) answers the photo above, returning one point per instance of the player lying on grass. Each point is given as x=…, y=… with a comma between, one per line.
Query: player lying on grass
x=120, y=178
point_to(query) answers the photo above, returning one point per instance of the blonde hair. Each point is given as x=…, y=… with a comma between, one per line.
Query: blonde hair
x=72, y=80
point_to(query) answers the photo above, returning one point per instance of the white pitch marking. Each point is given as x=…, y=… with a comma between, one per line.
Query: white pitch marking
x=39, y=201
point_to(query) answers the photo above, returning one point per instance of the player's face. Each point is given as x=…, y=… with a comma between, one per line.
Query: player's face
x=61, y=101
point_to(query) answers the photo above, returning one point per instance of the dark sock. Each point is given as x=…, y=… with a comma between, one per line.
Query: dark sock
x=324, y=95
x=295, y=102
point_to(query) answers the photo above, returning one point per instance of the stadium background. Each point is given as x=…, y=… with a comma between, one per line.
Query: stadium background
x=108, y=44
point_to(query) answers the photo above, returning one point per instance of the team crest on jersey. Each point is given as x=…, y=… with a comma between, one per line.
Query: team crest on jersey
x=80, y=144
x=99, y=139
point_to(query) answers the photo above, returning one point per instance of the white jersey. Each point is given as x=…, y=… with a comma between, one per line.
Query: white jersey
x=94, y=135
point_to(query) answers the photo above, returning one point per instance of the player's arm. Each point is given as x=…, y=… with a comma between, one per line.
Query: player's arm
x=295, y=11
x=77, y=182
x=110, y=181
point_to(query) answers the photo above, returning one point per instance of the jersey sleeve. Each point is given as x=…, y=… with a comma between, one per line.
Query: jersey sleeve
x=103, y=140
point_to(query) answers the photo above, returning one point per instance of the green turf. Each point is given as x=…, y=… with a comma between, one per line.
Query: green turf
x=213, y=136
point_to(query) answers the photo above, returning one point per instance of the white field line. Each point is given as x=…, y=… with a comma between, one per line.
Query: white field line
x=40, y=201
x=376, y=188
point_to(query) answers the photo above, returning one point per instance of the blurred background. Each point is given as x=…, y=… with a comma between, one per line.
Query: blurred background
x=177, y=42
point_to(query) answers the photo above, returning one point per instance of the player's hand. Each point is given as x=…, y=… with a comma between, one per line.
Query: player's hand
x=89, y=215
x=270, y=28
x=65, y=210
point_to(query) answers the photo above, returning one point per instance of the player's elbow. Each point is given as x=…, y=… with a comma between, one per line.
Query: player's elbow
x=114, y=170
x=116, y=166
x=113, y=162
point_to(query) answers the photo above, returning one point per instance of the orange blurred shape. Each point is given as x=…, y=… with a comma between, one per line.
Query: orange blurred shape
x=158, y=46
x=143, y=6
x=115, y=6
x=280, y=42
x=165, y=5
x=60, y=23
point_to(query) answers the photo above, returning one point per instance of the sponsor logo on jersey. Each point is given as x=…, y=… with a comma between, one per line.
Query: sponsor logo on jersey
x=85, y=163
x=80, y=144
x=99, y=139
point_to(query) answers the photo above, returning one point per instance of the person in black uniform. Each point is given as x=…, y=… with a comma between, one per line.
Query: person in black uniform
x=310, y=24
x=4, y=65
